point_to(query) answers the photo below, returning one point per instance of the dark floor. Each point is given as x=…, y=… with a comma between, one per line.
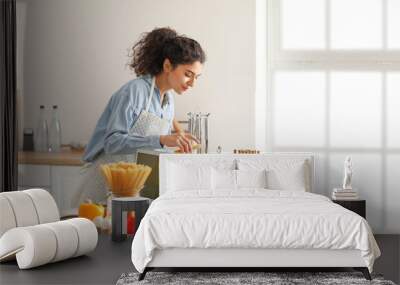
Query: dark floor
x=389, y=262
x=110, y=260
x=102, y=266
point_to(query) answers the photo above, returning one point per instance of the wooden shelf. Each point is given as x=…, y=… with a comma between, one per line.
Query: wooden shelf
x=66, y=157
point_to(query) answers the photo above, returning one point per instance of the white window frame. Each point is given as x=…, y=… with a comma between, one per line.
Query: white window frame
x=327, y=60
x=380, y=59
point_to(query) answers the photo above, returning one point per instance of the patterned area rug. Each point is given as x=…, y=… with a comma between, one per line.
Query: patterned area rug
x=230, y=278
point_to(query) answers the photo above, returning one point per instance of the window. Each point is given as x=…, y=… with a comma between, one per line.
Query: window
x=333, y=77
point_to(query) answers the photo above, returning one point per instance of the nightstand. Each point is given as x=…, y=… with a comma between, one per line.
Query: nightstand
x=120, y=206
x=357, y=206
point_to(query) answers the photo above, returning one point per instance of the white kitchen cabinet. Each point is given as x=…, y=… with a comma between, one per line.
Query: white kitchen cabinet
x=61, y=181
x=33, y=175
x=65, y=183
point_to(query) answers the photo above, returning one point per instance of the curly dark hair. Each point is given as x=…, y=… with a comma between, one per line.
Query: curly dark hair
x=149, y=53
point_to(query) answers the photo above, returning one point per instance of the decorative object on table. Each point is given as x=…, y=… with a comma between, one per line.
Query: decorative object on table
x=90, y=211
x=246, y=151
x=31, y=231
x=121, y=207
x=348, y=173
x=125, y=179
x=347, y=192
x=357, y=206
x=28, y=144
x=344, y=194
x=103, y=224
x=219, y=149
x=41, y=136
x=97, y=214
x=55, y=131
x=130, y=223
x=198, y=127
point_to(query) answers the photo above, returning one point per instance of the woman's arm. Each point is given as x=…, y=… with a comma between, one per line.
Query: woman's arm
x=118, y=139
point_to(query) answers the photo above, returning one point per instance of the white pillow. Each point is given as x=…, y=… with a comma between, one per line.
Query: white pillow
x=281, y=174
x=287, y=179
x=251, y=178
x=183, y=177
x=223, y=179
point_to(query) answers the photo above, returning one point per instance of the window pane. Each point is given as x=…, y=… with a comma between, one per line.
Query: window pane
x=393, y=12
x=356, y=24
x=303, y=24
x=393, y=110
x=355, y=119
x=367, y=179
x=299, y=109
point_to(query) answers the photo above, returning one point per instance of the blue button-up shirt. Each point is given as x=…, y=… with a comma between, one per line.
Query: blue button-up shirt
x=111, y=133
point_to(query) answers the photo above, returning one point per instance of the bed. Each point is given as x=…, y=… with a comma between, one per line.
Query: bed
x=246, y=211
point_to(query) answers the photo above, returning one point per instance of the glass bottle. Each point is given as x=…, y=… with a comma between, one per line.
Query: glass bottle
x=41, y=136
x=55, y=132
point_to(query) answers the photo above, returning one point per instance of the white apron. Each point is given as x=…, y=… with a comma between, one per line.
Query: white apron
x=93, y=185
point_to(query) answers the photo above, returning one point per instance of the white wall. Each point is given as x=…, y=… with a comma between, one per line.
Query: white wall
x=75, y=55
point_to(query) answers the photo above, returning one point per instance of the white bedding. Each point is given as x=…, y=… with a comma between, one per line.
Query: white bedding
x=250, y=218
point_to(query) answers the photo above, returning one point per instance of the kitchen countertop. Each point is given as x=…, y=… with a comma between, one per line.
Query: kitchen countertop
x=67, y=157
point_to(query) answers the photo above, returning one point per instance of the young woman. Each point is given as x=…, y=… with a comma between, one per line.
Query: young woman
x=141, y=113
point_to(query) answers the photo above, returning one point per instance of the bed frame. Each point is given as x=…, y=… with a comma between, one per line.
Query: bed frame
x=245, y=259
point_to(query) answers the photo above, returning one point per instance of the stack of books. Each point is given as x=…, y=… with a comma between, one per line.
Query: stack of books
x=344, y=194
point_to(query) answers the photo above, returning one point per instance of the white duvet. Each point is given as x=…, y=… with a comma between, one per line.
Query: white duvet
x=252, y=218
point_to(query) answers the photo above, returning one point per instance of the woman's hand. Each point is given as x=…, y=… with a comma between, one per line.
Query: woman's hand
x=181, y=140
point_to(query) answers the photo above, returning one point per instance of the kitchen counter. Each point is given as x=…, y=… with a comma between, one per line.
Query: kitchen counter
x=67, y=157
